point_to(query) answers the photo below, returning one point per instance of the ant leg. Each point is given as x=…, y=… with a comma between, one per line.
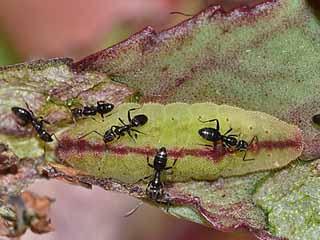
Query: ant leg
x=28, y=107
x=132, y=109
x=181, y=13
x=255, y=138
x=174, y=163
x=211, y=120
x=149, y=164
x=227, y=147
x=233, y=135
x=56, y=137
x=130, y=135
x=142, y=179
x=102, y=116
x=87, y=134
x=244, y=157
x=100, y=102
x=133, y=210
x=168, y=205
x=228, y=132
x=205, y=145
x=134, y=130
x=167, y=168
x=94, y=119
x=42, y=120
x=122, y=122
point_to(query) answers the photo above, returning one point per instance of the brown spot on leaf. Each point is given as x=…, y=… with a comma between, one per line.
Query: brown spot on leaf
x=26, y=211
x=7, y=158
x=37, y=210
x=179, y=81
x=17, y=177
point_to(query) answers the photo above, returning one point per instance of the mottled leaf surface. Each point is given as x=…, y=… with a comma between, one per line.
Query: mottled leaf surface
x=262, y=58
x=49, y=88
x=19, y=213
x=225, y=204
x=291, y=201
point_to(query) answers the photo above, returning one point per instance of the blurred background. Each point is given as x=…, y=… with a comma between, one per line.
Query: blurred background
x=76, y=28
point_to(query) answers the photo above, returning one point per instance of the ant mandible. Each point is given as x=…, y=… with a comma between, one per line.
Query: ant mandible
x=101, y=108
x=118, y=131
x=28, y=117
x=229, y=141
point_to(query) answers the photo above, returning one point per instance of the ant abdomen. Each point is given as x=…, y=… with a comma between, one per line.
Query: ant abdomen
x=210, y=134
x=89, y=111
x=22, y=114
x=29, y=118
x=139, y=120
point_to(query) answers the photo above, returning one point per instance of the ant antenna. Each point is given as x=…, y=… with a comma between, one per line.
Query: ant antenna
x=28, y=107
x=181, y=13
x=142, y=179
x=255, y=138
x=87, y=134
x=108, y=115
x=56, y=137
x=133, y=210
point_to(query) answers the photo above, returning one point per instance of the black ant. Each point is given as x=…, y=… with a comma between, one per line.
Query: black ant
x=118, y=131
x=228, y=141
x=101, y=108
x=155, y=187
x=316, y=119
x=27, y=116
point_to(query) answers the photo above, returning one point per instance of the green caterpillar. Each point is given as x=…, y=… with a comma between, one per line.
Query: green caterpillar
x=175, y=126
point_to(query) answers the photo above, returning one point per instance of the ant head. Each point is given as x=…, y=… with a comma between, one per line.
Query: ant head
x=45, y=136
x=76, y=112
x=242, y=145
x=154, y=192
x=109, y=136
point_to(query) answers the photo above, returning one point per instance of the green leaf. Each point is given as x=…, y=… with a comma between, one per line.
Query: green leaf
x=49, y=88
x=291, y=201
x=176, y=126
x=225, y=204
x=264, y=58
